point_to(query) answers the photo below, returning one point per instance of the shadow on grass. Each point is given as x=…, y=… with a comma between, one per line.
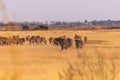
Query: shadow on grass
x=96, y=42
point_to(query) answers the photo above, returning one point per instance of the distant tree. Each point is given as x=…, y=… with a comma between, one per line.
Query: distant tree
x=46, y=22
x=86, y=22
x=25, y=27
x=2, y=24
x=10, y=24
x=58, y=23
x=43, y=27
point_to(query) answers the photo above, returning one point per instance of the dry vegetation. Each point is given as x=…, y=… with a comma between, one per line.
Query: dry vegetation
x=91, y=68
x=98, y=60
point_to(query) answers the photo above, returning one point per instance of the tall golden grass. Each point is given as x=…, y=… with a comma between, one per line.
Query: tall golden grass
x=89, y=68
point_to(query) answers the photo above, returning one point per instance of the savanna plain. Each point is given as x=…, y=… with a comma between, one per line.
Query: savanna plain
x=99, y=57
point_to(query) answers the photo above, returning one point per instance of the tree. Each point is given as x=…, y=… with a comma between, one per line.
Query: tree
x=25, y=27
x=10, y=24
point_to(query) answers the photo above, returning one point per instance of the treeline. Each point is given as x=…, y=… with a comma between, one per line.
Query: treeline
x=59, y=25
x=64, y=23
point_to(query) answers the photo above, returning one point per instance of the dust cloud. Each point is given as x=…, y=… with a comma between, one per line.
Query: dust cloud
x=3, y=11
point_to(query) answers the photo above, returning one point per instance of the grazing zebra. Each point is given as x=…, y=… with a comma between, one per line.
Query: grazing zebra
x=78, y=41
x=51, y=40
x=85, y=39
x=3, y=41
x=64, y=43
x=43, y=40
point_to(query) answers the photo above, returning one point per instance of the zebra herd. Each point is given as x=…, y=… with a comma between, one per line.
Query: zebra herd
x=63, y=42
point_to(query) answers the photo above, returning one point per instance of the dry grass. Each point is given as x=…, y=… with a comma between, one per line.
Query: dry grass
x=43, y=62
x=91, y=68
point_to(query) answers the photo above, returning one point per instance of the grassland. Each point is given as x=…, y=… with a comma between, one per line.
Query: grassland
x=43, y=62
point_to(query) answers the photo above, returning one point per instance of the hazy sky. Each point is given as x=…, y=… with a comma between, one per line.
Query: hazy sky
x=63, y=10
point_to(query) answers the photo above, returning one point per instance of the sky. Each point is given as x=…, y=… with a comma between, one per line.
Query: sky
x=62, y=10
